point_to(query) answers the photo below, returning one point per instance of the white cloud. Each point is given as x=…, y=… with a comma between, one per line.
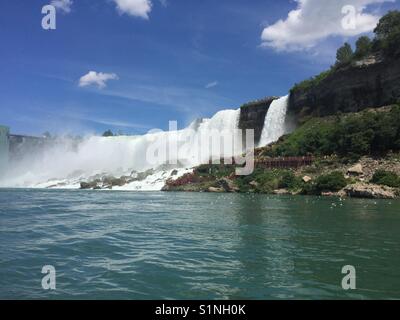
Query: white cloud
x=137, y=8
x=62, y=5
x=96, y=78
x=315, y=20
x=164, y=3
x=211, y=85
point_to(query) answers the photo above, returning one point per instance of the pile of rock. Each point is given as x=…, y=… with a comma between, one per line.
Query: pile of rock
x=108, y=182
x=356, y=171
x=223, y=185
x=369, y=191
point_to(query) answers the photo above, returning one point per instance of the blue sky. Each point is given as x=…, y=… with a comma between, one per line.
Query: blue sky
x=166, y=60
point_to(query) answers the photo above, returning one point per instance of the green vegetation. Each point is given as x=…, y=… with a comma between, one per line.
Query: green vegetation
x=266, y=181
x=363, y=47
x=314, y=81
x=289, y=181
x=349, y=136
x=332, y=182
x=214, y=170
x=386, y=178
x=388, y=24
x=344, y=54
x=386, y=43
x=388, y=34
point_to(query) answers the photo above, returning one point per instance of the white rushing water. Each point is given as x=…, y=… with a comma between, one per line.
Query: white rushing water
x=274, y=125
x=65, y=163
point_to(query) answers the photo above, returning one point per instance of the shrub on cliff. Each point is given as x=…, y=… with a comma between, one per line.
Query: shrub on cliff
x=344, y=54
x=331, y=182
x=386, y=178
x=363, y=47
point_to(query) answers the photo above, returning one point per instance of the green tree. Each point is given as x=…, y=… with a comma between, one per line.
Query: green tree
x=388, y=34
x=344, y=54
x=108, y=133
x=388, y=25
x=363, y=47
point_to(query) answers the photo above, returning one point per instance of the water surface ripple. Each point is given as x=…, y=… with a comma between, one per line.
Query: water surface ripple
x=124, y=245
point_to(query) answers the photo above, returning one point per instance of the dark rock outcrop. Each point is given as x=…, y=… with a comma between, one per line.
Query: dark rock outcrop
x=226, y=185
x=252, y=116
x=372, y=82
x=109, y=182
x=89, y=185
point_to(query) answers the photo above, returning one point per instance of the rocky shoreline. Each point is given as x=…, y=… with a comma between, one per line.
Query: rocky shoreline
x=358, y=181
x=104, y=181
x=355, y=180
x=325, y=176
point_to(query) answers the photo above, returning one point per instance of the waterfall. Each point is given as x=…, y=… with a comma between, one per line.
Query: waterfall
x=274, y=125
x=67, y=162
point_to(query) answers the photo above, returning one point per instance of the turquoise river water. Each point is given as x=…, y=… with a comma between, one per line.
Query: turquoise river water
x=125, y=245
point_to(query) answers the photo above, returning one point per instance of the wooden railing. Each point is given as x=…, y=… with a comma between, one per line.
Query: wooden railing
x=285, y=163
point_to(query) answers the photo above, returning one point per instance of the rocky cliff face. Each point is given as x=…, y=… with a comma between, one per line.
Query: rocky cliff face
x=368, y=83
x=252, y=116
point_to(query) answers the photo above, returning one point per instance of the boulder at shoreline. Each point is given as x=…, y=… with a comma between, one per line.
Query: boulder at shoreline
x=369, y=191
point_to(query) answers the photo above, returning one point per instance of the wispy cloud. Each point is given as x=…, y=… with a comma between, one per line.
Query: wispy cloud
x=164, y=3
x=117, y=123
x=211, y=85
x=96, y=78
x=62, y=5
x=182, y=99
